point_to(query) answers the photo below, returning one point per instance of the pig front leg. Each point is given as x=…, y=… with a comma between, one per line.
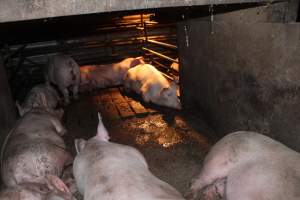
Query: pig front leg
x=75, y=91
x=65, y=93
x=146, y=93
x=58, y=127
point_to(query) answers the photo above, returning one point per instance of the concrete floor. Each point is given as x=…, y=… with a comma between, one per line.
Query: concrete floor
x=174, y=143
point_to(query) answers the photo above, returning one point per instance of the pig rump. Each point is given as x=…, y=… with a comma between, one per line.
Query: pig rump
x=248, y=165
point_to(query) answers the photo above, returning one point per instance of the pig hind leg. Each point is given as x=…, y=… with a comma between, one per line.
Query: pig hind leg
x=214, y=191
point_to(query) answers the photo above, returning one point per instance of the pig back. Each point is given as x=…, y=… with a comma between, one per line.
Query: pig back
x=115, y=171
x=33, y=149
x=32, y=161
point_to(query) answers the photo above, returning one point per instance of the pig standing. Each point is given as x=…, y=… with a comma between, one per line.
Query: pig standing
x=102, y=76
x=54, y=189
x=105, y=170
x=146, y=80
x=248, y=166
x=33, y=149
x=43, y=96
x=63, y=71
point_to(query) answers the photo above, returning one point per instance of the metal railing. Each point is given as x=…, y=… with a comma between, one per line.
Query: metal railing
x=147, y=42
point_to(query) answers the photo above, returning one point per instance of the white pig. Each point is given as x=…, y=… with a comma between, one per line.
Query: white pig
x=54, y=189
x=43, y=96
x=33, y=149
x=248, y=166
x=105, y=170
x=63, y=71
x=175, y=66
x=146, y=80
x=102, y=76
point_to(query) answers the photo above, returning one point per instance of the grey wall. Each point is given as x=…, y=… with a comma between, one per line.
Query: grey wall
x=16, y=10
x=244, y=76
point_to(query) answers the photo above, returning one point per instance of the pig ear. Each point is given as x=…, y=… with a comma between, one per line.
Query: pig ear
x=56, y=185
x=165, y=92
x=137, y=61
x=141, y=59
x=20, y=109
x=102, y=134
x=44, y=101
x=79, y=145
x=173, y=85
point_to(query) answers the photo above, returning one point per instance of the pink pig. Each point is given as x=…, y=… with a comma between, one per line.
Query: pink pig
x=248, y=166
x=115, y=171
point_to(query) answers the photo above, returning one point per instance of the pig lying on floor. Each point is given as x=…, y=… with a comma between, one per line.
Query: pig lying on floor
x=115, y=172
x=33, y=149
x=146, y=80
x=248, y=166
x=54, y=189
x=63, y=71
x=175, y=66
x=43, y=96
x=102, y=76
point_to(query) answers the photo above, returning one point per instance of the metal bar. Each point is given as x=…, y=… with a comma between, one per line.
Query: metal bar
x=170, y=46
x=160, y=55
x=12, y=54
x=31, y=62
x=145, y=31
x=161, y=65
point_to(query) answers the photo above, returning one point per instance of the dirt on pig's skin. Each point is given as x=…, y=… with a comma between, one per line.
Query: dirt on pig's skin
x=173, y=143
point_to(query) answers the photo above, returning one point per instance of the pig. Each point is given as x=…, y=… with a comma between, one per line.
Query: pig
x=115, y=171
x=69, y=180
x=33, y=149
x=102, y=76
x=63, y=71
x=54, y=189
x=43, y=96
x=249, y=166
x=147, y=81
x=175, y=66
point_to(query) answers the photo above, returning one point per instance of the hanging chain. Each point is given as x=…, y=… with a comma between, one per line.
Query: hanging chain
x=211, y=11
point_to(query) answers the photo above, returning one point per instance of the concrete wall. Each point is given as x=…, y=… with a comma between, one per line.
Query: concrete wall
x=243, y=75
x=16, y=10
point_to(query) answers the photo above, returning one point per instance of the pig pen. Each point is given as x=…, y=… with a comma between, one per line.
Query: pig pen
x=174, y=143
x=222, y=89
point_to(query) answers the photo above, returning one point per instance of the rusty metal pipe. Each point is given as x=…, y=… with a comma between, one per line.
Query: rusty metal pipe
x=170, y=46
x=159, y=55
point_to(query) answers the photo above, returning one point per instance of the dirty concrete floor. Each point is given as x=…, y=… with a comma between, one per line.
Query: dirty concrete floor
x=174, y=143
